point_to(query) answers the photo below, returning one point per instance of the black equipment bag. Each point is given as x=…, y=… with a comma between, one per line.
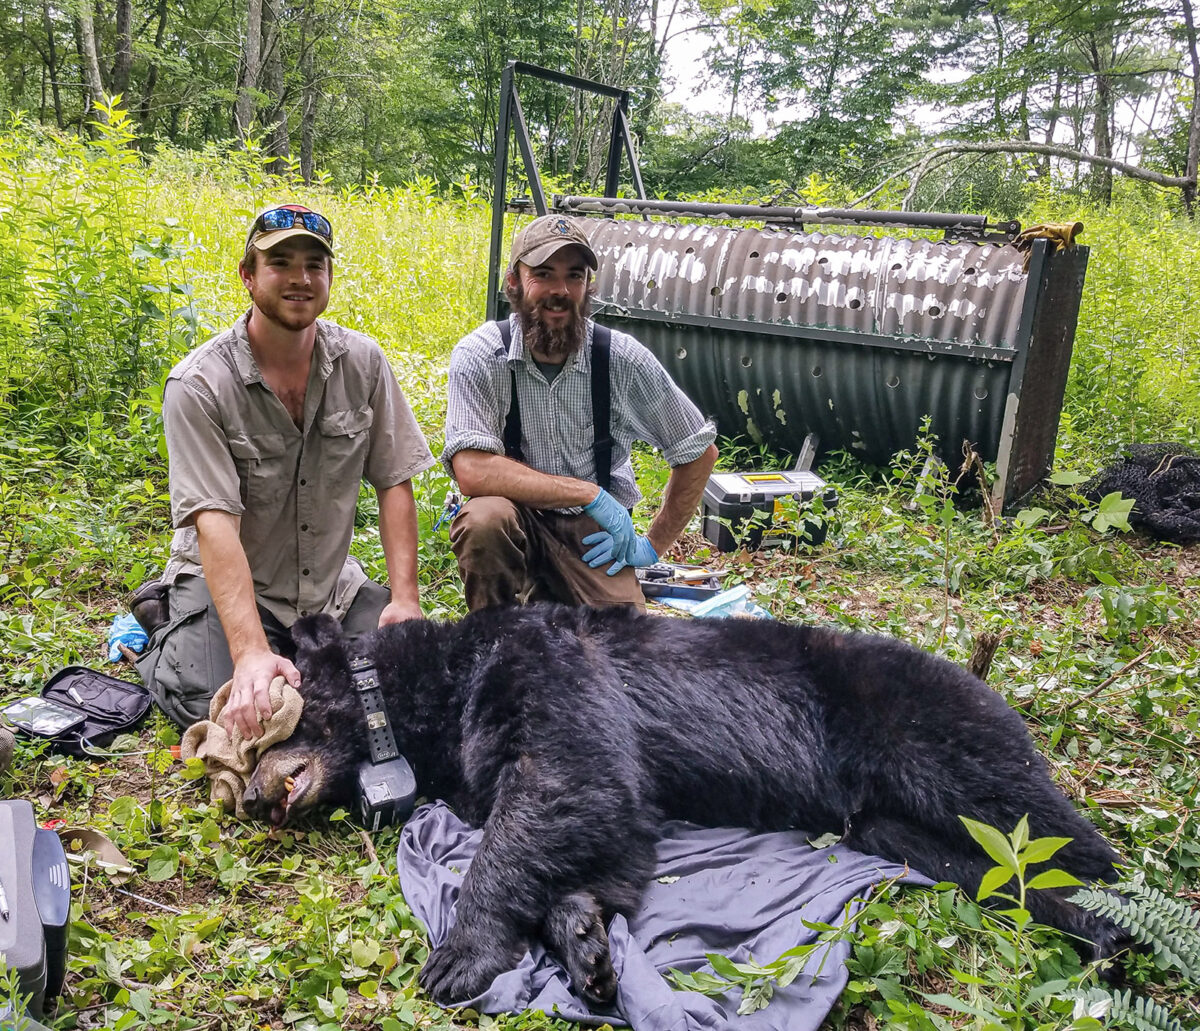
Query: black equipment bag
x=81, y=708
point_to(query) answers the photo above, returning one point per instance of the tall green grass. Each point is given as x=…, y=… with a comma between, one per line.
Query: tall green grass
x=112, y=266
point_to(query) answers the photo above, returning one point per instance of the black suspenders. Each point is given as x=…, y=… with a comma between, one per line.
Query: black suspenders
x=601, y=409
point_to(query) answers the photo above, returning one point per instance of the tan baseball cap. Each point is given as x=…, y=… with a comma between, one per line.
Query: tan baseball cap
x=547, y=235
x=269, y=227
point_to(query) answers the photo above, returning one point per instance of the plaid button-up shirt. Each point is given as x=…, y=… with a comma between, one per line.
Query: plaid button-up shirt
x=556, y=417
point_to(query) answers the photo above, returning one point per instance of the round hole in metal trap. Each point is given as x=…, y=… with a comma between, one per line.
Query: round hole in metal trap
x=715, y=291
x=754, y=254
x=816, y=371
x=970, y=271
x=690, y=250
x=651, y=284
x=781, y=296
x=981, y=393
x=855, y=303
x=935, y=310
x=681, y=353
x=893, y=381
x=747, y=361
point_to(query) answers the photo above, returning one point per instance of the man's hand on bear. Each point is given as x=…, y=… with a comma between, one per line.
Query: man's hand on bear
x=250, y=697
x=400, y=612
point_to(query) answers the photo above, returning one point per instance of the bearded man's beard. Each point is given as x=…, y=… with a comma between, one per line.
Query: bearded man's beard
x=553, y=342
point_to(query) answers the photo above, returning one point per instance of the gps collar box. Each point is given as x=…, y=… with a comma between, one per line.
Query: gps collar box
x=387, y=788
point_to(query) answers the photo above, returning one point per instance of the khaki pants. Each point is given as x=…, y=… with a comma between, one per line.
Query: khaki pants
x=187, y=659
x=511, y=555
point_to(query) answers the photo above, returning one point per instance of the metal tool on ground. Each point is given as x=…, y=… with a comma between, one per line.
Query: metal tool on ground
x=670, y=580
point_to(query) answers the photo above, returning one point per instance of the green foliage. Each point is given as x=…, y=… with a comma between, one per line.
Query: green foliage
x=1097, y=644
x=757, y=982
x=1168, y=926
x=1126, y=1010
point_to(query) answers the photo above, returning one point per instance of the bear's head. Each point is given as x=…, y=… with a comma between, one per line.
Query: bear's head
x=318, y=764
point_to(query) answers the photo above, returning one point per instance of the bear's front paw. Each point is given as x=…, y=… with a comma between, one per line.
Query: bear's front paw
x=461, y=969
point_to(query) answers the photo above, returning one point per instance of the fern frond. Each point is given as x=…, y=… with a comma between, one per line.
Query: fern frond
x=1140, y=1012
x=1169, y=927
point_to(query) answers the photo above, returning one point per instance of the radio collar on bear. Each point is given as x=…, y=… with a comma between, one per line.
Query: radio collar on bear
x=387, y=787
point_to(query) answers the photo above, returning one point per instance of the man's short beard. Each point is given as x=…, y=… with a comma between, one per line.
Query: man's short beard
x=549, y=341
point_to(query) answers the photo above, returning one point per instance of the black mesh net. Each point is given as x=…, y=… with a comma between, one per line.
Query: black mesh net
x=1164, y=482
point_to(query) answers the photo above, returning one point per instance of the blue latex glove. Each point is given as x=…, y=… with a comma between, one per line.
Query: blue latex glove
x=604, y=550
x=641, y=552
x=127, y=631
x=614, y=519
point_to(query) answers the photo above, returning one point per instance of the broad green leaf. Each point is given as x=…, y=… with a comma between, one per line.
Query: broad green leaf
x=723, y=965
x=1067, y=478
x=163, y=863
x=1041, y=849
x=1054, y=879
x=365, y=952
x=993, y=842
x=1030, y=517
x=1113, y=513
x=995, y=878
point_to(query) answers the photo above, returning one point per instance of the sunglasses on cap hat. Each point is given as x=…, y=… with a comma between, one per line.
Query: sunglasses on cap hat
x=285, y=218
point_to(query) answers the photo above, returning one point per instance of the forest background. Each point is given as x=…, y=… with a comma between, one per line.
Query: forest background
x=374, y=92
x=120, y=229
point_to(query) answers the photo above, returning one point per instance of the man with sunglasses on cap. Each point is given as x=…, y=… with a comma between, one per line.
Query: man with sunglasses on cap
x=551, y=488
x=271, y=427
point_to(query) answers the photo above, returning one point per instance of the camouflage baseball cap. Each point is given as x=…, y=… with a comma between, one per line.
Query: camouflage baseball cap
x=547, y=235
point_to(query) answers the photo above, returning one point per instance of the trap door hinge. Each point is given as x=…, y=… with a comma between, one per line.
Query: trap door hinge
x=379, y=729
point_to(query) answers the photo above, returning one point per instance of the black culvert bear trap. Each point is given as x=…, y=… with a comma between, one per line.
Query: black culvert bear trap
x=80, y=709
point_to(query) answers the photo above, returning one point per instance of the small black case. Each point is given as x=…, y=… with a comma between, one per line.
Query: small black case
x=108, y=707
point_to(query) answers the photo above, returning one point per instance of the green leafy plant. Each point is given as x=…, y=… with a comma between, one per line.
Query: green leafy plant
x=1169, y=927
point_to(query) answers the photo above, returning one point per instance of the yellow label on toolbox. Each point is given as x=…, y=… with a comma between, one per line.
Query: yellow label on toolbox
x=764, y=478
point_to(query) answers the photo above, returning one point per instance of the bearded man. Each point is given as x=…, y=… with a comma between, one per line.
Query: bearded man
x=550, y=487
x=271, y=427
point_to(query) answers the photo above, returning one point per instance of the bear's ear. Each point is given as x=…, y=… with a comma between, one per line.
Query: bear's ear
x=312, y=633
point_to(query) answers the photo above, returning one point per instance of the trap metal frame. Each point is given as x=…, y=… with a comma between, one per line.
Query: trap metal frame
x=782, y=331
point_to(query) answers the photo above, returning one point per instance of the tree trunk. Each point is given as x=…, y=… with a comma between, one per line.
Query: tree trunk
x=1193, y=145
x=152, y=74
x=308, y=94
x=52, y=63
x=93, y=85
x=1052, y=124
x=279, y=143
x=123, y=59
x=243, y=109
x=1101, y=120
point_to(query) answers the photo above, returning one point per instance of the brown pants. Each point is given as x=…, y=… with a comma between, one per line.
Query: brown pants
x=511, y=555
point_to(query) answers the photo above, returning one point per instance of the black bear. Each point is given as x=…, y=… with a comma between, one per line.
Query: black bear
x=568, y=734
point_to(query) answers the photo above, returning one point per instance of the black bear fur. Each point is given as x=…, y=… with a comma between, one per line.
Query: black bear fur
x=568, y=734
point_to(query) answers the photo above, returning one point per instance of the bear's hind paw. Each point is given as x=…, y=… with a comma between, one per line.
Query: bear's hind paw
x=456, y=972
x=574, y=933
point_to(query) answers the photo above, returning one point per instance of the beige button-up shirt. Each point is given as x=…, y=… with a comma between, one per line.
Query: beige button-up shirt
x=234, y=448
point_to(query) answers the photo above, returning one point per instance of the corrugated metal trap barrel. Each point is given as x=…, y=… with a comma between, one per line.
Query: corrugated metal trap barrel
x=779, y=331
x=777, y=334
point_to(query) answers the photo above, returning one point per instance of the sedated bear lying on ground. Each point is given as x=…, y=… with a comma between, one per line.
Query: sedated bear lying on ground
x=569, y=733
